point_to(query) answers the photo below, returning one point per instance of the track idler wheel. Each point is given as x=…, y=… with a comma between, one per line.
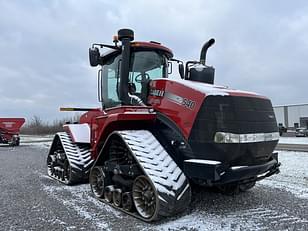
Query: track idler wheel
x=117, y=197
x=127, y=201
x=145, y=197
x=97, y=182
x=108, y=193
x=51, y=161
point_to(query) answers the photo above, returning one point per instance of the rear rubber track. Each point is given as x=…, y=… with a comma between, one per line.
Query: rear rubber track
x=77, y=156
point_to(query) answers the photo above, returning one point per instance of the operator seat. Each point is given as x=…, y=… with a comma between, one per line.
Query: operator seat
x=134, y=99
x=145, y=81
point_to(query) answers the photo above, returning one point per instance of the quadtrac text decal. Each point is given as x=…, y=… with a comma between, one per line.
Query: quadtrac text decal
x=156, y=92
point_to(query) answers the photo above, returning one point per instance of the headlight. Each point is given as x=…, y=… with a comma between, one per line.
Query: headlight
x=226, y=137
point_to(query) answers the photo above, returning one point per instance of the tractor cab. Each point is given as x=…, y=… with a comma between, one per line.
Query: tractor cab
x=126, y=70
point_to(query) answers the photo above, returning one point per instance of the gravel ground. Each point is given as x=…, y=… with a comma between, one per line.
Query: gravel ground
x=31, y=201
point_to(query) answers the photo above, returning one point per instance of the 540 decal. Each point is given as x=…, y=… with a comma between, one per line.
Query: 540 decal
x=188, y=103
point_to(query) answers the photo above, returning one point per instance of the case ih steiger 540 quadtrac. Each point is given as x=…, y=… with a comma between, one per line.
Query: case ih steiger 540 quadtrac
x=9, y=130
x=155, y=136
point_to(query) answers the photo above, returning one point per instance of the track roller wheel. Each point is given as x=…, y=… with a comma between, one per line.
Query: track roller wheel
x=145, y=197
x=127, y=201
x=108, y=193
x=97, y=182
x=67, y=172
x=117, y=197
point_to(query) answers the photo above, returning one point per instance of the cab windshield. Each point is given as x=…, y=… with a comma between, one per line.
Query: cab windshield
x=144, y=66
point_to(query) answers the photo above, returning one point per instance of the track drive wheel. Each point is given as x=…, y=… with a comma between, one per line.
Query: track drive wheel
x=145, y=198
x=97, y=182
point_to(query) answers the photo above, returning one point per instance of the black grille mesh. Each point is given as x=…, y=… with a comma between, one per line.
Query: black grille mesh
x=239, y=115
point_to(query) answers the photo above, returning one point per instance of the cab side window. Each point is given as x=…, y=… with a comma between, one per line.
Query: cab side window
x=110, y=82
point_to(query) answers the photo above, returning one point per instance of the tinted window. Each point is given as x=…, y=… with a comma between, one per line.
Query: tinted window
x=145, y=66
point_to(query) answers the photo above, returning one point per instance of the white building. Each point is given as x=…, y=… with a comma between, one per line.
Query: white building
x=292, y=116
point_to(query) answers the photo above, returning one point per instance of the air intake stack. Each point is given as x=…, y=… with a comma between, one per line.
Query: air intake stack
x=125, y=36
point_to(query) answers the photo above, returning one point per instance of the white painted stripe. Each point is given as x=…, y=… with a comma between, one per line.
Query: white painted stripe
x=200, y=161
x=182, y=193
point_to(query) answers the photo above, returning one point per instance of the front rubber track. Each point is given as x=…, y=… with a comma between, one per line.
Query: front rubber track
x=172, y=189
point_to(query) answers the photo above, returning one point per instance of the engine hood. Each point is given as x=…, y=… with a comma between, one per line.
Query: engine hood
x=210, y=89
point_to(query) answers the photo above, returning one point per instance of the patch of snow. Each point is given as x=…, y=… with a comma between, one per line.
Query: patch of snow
x=80, y=200
x=208, y=89
x=293, y=176
x=45, y=145
x=196, y=221
x=293, y=140
x=35, y=138
x=246, y=219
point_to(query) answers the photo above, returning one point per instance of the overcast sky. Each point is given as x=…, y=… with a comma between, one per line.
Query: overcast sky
x=261, y=46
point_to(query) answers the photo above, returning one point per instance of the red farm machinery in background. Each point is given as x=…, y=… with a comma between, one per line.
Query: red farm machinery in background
x=9, y=130
x=155, y=136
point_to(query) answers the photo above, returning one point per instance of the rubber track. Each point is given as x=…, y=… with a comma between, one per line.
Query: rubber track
x=79, y=157
x=171, y=184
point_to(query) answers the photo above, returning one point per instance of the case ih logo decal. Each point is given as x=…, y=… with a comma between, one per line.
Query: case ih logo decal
x=190, y=104
x=8, y=124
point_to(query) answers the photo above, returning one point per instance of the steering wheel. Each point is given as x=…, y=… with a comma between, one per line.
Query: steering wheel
x=139, y=78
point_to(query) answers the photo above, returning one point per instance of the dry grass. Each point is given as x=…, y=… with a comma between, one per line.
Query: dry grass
x=37, y=126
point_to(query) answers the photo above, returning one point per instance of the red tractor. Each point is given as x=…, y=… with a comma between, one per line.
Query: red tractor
x=9, y=130
x=155, y=136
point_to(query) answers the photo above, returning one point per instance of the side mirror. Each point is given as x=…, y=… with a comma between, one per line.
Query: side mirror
x=94, y=56
x=169, y=68
x=181, y=70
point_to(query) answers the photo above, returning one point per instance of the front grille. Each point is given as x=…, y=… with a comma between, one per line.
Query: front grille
x=238, y=115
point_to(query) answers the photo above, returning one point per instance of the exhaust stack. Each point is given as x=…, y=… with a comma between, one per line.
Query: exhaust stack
x=204, y=49
x=199, y=71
